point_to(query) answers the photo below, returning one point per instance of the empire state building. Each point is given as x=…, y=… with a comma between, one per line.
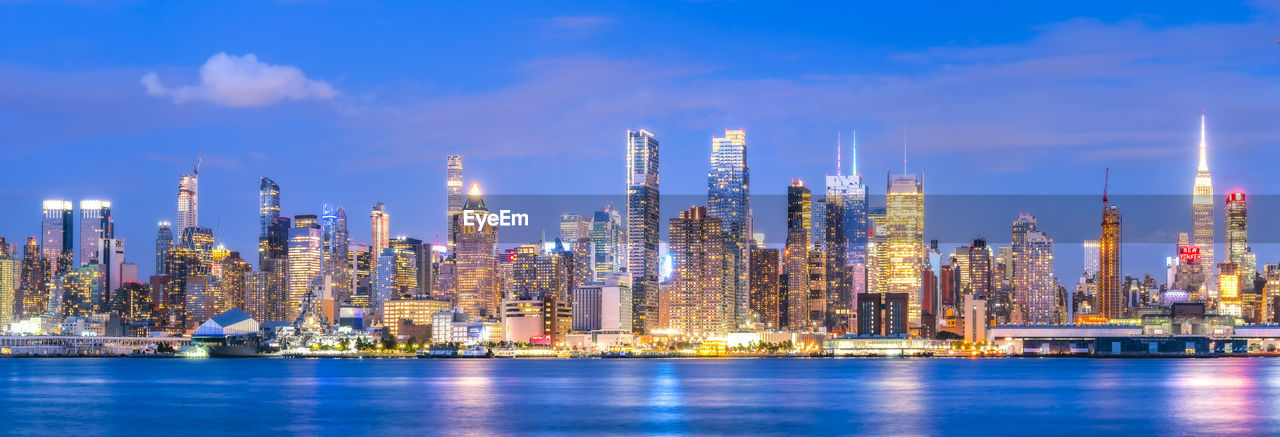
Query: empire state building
x=1202, y=220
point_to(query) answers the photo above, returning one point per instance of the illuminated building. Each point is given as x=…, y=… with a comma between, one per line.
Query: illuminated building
x=608, y=241
x=95, y=225
x=525, y=320
x=702, y=299
x=1270, y=294
x=335, y=240
x=975, y=319
x=164, y=242
x=304, y=265
x=904, y=245
x=642, y=228
x=816, y=299
x=188, y=202
x=1228, y=283
x=729, y=199
x=1037, y=290
x=1024, y=224
x=406, y=252
x=411, y=311
x=34, y=299
x=80, y=291
x=1091, y=257
x=845, y=240
x=381, y=227
x=264, y=296
x=454, y=195
x=201, y=241
x=56, y=241
x=9, y=301
x=766, y=297
x=477, y=286
x=182, y=264
x=604, y=305
x=883, y=314
x=234, y=282
x=1109, y=297
x=1202, y=214
x=200, y=300
x=275, y=245
x=796, y=254
x=979, y=268
x=268, y=205
x=1237, y=231
x=132, y=303
x=110, y=259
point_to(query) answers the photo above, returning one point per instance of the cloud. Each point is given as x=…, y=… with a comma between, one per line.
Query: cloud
x=243, y=81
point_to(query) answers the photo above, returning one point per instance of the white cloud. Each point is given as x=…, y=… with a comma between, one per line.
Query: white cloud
x=243, y=81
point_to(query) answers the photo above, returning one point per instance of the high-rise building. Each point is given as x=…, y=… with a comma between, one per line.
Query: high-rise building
x=189, y=200
x=275, y=245
x=9, y=269
x=304, y=265
x=845, y=235
x=34, y=299
x=729, y=199
x=603, y=306
x=1202, y=215
x=1036, y=292
x=335, y=242
x=904, y=246
x=766, y=297
x=702, y=300
x=201, y=241
x=979, y=268
x=608, y=241
x=381, y=227
x=95, y=225
x=477, y=285
x=80, y=291
x=1109, y=296
x=110, y=260
x=56, y=239
x=1237, y=227
x=796, y=254
x=1091, y=257
x=454, y=193
x=268, y=205
x=642, y=228
x=164, y=242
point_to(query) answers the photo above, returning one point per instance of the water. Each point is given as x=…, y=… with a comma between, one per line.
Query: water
x=690, y=396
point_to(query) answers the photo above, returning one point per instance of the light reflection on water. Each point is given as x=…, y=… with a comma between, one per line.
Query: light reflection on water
x=690, y=396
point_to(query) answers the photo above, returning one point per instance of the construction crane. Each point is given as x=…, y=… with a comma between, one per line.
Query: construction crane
x=196, y=170
x=1105, y=182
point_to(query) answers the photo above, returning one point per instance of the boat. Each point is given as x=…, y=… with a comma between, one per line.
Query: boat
x=451, y=352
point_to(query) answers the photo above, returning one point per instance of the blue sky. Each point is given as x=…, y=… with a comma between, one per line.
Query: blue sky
x=359, y=102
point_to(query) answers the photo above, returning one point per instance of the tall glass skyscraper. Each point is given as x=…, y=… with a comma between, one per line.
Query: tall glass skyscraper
x=845, y=239
x=796, y=255
x=56, y=240
x=608, y=241
x=729, y=199
x=904, y=244
x=304, y=266
x=380, y=223
x=189, y=201
x=476, y=262
x=164, y=242
x=454, y=194
x=95, y=225
x=268, y=204
x=642, y=228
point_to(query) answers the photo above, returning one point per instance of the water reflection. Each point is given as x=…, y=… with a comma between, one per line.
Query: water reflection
x=1218, y=397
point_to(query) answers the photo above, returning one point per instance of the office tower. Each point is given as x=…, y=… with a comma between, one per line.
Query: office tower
x=574, y=227
x=702, y=300
x=1109, y=296
x=979, y=266
x=164, y=242
x=904, y=245
x=1202, y=216
x=538, y=270
x=1021, y=226
x=581, y=254
x=263, y=300
x=1271, y=296
x=845, y=234
x=407, y=252
x=642, y=228
x=95, y=225
x=335, y=241
x=381, y=225
x=453, y=192
x=234, y=283
x=189, y=198
x=201, y=241
x=608, y=241
x=818, y=228
x=796, y=254
x=603, y=306
x=766, y=297
x=729, y=199
x=56, y=240
x=1091, y=257
x=9, y=301
x=35, y=285
x=1036, y=292
x=80, y=291
x=132, y=303
x=384, y=283
x=275, y=245
x=477, y=286
x=182, y=264
x=816, y=300
x=110, y=259
x=1237, y=231
x=268, y=204
x=304, y=265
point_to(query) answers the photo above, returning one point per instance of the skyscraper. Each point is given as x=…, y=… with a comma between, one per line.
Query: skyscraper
x=1091, y=257
x=35, y=280
x=95, y=225
x=1237, y=227
x=1109, y=297
x=164, y=242
x=1202, y=216
x=904, y=210
x=304, y=266
x=9, y=302
x=476, y=262
x=1036, y=293
x=189, y=198
x=56, y=238
x=796, y=254
x=766, y=295
x=642, y=228
x=702, y=300
x=268, y=204
x=729, y=199
x=381, y=226
x=453, y=191
x=608, y=240
x=845, y=237
x=1024, y=224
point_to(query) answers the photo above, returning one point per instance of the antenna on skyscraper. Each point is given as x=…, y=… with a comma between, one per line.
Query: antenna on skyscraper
x=837, y=153
x=853, y=148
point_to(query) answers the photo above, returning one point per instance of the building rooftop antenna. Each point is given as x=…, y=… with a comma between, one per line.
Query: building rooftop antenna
x=1106, y=180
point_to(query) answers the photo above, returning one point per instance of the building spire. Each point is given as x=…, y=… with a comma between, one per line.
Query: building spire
x=853, y=170
x=1204, y=163
x=837, y=153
